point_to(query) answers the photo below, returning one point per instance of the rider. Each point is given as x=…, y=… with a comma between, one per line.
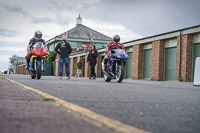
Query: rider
x=115, y=44
x=37, y=38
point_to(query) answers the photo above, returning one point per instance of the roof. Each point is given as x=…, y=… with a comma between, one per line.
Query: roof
x=179, y=30
x=84, y=32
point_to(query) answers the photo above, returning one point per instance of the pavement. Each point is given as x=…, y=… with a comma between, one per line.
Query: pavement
x=153, y=106
x=23, y=111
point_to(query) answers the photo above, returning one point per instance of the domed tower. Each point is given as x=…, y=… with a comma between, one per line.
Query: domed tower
x=79, y=21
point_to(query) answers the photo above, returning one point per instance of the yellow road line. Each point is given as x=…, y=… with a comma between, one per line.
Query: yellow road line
x=93, y=117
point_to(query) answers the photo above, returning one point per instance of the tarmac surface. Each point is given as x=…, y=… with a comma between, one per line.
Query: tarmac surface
x=154, y=106
x=23, y=111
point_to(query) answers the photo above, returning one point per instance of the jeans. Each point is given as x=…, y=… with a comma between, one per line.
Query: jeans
x=66, y=61
x=92, y=72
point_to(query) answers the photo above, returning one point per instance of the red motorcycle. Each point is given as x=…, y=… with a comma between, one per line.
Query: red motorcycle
x=37, y=60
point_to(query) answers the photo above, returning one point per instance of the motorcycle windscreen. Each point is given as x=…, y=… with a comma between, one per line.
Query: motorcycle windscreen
x=120, y=53
x=39, y=49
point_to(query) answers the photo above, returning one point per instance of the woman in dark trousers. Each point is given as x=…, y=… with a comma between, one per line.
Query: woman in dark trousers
x=92, y=59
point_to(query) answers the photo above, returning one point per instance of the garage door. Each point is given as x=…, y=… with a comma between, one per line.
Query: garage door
x=48, y=69
x=170, y=64
x=129, y=65
x=147, y=64
x=196, y=53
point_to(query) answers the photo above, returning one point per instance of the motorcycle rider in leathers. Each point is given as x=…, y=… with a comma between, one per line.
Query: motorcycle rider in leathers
x=115, y=44
x=37, y=38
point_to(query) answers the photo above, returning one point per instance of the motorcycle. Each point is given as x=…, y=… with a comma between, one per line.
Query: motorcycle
x=37, y=60
x=116, y=65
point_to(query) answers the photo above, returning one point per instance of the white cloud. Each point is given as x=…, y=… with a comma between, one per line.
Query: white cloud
x=26, y=32
x=4, y=57
x=14, y=49
x=4, y=61
x=110, y=29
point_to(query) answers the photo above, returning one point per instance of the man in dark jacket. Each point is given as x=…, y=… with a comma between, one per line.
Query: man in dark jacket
x=64, y=49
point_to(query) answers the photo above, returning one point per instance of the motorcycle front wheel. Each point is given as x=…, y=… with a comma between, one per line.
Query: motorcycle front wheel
x=38, y=70
x=119, y=72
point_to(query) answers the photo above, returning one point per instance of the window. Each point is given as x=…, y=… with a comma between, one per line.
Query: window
x=76, y=44
x=100, y=45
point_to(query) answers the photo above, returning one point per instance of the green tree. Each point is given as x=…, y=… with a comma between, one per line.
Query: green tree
x=13, y=60
x=52, y=56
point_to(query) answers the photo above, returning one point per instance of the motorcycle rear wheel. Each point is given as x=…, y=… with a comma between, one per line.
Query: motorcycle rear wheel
x=38, y=70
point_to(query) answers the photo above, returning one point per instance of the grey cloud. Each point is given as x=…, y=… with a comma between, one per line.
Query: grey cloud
x=43, y=20
x=147, y=17
x=72, y=4
x=144, y=17
x=9, y=52
x=16, y=10
x=8, y=33
x=13, y=44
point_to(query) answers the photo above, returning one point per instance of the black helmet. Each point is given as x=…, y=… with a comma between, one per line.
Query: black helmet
x=38, y=34
x=116, y=38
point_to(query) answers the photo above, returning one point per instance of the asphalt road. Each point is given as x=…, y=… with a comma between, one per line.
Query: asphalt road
x=155, y=106
x=23, y=111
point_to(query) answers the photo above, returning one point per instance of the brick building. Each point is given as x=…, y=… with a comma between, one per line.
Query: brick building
x=19, y=66
x=167, y=56
x=80, y=38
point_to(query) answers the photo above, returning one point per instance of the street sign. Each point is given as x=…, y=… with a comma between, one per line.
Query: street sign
x=197, y=72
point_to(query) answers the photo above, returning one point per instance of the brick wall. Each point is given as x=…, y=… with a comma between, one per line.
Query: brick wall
x=71, y=66
x=86, y=67
x=137, y=62
x=98, y=66
x=57, y=68
x=15, y=68
x=74, y=66
x=157, y=70
x=88, y=46
x=186, y=58
x=74, y=51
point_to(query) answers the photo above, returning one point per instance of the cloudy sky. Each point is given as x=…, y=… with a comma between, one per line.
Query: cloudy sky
x=131, y=19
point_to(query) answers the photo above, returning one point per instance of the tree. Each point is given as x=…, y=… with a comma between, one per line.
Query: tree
x=52, y=56
x=13, y=60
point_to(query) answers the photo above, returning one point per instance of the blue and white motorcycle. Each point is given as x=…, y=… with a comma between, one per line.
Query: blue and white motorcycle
x=115, y=65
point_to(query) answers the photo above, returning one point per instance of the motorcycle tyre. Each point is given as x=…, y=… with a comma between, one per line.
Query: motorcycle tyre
x=39, y=71
x=121, y=77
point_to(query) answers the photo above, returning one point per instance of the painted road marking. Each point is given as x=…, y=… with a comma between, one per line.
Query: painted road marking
x=92, y=117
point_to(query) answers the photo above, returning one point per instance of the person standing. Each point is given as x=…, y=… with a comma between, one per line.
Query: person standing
x=79, y=68
x=64, y=49
x=92, y=60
